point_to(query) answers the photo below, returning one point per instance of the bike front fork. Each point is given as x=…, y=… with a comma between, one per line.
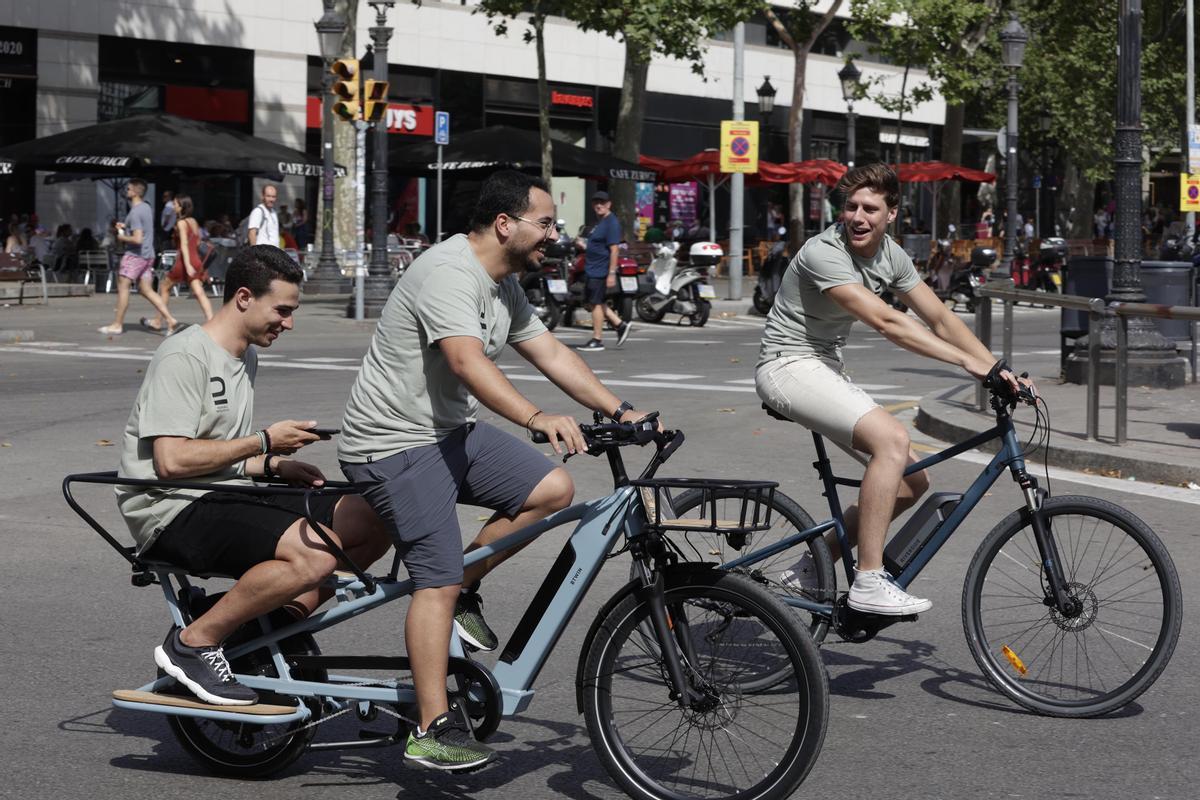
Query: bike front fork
x=1057, y=588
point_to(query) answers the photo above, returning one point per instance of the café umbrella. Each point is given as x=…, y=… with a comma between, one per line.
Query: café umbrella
x=155, y=143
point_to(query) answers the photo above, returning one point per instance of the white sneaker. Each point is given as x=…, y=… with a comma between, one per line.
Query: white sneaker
x=801, y=576
x=875, y=593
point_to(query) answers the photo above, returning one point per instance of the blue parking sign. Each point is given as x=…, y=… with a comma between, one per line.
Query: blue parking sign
x=441, y=127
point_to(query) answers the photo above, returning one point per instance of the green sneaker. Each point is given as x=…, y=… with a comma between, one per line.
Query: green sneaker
x=470, y=625
x=447, y=745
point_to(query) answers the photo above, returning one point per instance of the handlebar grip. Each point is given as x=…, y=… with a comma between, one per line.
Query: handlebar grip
x=537, y=437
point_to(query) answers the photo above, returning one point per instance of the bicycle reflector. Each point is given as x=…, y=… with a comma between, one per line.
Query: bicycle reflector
x=1014, y=659
x=375, y=96
x=347, y=87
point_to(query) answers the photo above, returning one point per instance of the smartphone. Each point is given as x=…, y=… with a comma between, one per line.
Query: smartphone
x=326, y=433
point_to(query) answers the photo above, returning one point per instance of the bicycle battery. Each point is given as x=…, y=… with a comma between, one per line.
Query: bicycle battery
x=918, y=530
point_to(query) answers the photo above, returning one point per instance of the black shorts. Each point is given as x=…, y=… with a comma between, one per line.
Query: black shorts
x=225, y=533
x=595, y=291
x=416, y=492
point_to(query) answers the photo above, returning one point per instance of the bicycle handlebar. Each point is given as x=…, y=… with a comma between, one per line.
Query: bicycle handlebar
x=1002, y=391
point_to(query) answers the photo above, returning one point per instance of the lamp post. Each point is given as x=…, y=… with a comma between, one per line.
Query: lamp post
x=1012, y=43
x=1043, y=126
x=1150, y=357
x=849, y=76
x=766, y=104
x=327, y=279
x=378, y=283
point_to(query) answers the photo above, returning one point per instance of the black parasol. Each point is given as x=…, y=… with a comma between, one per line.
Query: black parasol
x=482, y=152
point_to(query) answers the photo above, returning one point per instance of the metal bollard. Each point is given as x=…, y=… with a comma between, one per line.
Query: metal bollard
x=983, y=332
x=1122, y=377
x=1093, y=376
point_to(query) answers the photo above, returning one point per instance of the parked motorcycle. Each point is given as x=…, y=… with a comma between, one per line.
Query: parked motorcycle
x=770, y=277
x=681, y=288
x=546, y=288
x=630, y=283
x=961, y=286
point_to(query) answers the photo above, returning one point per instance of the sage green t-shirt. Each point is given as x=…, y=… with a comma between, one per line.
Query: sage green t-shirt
x=804, y=320
x=405, y=394
x=193, y=388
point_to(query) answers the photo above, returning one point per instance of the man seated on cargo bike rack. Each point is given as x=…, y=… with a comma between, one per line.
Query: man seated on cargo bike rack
x=412, y=441
x=192, y=422
x=835, y=280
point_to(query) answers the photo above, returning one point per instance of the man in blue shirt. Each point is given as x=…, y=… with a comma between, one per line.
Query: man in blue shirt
x=602, y=250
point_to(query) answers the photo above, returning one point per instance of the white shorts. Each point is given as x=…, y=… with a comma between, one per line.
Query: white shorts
x=815, y=392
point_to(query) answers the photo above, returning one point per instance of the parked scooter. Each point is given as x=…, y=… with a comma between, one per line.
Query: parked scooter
x=770, y=277
x=546, y=288
x=681, y=288
x=630, y=284
x=961, y=284
x=1051, y=259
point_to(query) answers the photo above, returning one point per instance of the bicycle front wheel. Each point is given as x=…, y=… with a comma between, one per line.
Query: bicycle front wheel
x=724, y=741
x=1085, y=664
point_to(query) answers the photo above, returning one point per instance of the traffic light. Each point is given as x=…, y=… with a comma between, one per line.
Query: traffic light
x=375, y=100
x=347, y=87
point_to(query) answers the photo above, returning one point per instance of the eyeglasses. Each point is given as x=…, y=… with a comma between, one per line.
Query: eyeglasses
x=546, y=226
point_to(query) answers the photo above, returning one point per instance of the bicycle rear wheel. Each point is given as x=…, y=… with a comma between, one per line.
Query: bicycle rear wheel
x=726, y=741
x=787, y=518
x=1095, y=661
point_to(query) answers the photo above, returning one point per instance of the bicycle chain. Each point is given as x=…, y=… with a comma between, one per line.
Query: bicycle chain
x=323, y=719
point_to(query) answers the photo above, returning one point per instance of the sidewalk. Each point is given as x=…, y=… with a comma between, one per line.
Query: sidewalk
x=1163, y=429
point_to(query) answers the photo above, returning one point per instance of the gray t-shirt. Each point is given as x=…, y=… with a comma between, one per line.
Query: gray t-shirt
x=193, y=388
x=406, y=395
x=140, y=218
x=804, y=321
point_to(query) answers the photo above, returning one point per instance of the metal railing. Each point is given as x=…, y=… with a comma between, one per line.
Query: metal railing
x=1096, y=311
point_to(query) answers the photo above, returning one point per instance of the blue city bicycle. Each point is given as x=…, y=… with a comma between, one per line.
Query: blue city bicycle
x=1071, y=605
x=671, y=677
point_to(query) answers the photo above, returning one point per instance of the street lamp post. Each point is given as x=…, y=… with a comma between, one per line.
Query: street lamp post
x=1150, y=358
x=327, y=279
x=849, y=76
x=378, y=284
x=766, y=104
x=1012, y=43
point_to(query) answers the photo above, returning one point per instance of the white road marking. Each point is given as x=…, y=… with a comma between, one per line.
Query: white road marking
x=112, y=349
x=666, y=376
x=328, y=360
x=693, y=341
x=46, y=344
x=743, y=381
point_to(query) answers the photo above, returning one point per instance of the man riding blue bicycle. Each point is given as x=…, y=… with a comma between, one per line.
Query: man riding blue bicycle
x=411, y=438
x=835, y=280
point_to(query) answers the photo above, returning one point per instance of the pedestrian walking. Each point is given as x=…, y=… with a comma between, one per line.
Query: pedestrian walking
x=300, y=223
x=137, y=263
x=602, y=249
x=168, y=218
x=189, y=266
x=263, y=225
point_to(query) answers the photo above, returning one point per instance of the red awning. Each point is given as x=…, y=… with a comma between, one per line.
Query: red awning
x=924, y=171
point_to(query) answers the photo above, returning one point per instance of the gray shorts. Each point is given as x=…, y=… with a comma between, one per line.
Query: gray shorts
x=416, y=492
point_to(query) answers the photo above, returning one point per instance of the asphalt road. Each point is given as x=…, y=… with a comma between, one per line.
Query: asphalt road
x=910, y=715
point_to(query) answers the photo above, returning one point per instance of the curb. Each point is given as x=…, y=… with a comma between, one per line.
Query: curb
x=952, y=422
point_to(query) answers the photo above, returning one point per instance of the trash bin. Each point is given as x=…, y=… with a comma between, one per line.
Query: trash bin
x=1086, y=276
x=1169, y=283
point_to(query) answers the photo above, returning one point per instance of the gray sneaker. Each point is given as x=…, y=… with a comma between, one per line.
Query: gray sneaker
x=470, y=624
x=591, y=346
x=623, y=332
x=875, y=592
x=204, y=671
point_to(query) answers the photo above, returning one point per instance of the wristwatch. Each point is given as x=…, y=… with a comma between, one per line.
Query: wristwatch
x=621, y=409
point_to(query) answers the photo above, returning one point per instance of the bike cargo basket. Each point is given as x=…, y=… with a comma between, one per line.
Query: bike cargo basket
x=745, y=506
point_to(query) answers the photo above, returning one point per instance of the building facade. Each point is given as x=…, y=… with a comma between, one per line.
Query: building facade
x=253, y=65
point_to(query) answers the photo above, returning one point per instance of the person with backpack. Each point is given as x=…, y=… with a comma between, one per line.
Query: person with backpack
x=191, y=266
x=262, y=226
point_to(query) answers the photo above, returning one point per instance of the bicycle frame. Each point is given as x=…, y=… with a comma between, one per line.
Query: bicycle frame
x=1010, y=455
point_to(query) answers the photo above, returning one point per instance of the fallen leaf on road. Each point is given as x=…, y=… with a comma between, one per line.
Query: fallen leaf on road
x=726, y=314
x=735, y=361
x=714, y=552
x=103, y=443
x=5, y=444
x=727, y=410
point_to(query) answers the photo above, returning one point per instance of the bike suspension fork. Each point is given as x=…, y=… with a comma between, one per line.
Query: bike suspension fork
x=652, y=591
x=1058, y=593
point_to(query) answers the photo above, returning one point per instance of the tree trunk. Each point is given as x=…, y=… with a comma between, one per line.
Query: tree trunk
x=795, y=218
x=950, y=198
x=629, y=134
x=345, y=206
x=539, y=26
x=1075, y=202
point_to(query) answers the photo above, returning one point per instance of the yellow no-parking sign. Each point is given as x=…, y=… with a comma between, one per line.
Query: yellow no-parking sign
x=739, y=146
x=1189, y=192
